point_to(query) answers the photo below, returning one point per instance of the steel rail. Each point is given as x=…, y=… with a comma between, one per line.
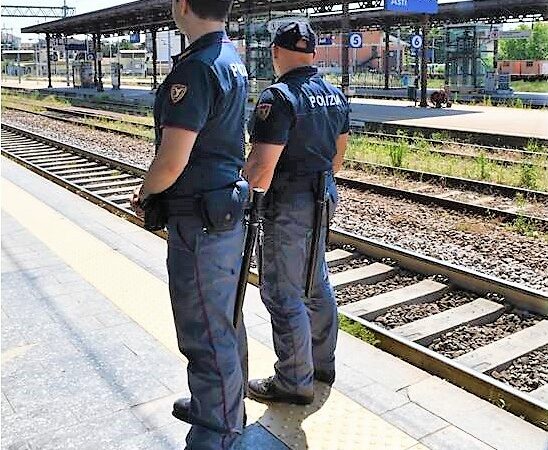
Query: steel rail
x=450, y=181
x=477, y=383
x=428, y=199
x=63, y=118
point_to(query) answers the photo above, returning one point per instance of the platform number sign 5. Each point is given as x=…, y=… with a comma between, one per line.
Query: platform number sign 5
x=355, y=40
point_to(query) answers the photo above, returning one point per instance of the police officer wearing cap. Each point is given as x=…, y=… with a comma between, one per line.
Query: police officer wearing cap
x=199, y=114
x=299, y=132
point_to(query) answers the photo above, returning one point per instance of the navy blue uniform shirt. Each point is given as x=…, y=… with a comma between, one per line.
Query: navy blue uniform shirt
x=206, y=92
x=306, y=115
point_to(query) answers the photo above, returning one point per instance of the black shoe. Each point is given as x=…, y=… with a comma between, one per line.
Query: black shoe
x=181, y=411
x=265, y=391
x=325, y=377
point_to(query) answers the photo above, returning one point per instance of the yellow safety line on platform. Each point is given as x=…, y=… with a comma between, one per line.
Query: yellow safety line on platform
x=332, y=422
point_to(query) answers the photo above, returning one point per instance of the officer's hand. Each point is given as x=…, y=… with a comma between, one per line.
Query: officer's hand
x=136, y=203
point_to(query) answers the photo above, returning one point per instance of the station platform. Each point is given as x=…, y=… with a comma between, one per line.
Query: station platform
x=502, y=121
x=90, y=358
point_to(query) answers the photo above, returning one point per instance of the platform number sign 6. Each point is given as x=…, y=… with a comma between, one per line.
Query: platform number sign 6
x=416, y=41
x=355, y=40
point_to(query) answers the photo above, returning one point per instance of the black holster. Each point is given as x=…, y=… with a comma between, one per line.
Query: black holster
x=155, y=212
x=321, y=213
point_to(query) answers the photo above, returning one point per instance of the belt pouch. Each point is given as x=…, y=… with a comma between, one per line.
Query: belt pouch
x=222, y=209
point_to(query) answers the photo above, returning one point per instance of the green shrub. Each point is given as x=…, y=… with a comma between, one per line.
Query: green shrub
x=529, y=175
x=398, y=151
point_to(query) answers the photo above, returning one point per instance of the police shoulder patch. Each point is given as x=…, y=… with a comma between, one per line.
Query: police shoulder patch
x=177, y=92
x=263, y=110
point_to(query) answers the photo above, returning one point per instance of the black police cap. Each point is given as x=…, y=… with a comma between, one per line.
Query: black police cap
x=292, y=35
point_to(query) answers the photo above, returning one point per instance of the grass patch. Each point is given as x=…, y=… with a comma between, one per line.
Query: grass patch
x=357, y=330
x=22, y=107
x=523, y=225
x=529, y=174
x=116, y=125
x=534, y=147
x=530, y=86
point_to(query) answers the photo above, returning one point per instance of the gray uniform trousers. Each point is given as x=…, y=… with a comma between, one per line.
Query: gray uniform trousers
x=203, y=274
x=304, y=329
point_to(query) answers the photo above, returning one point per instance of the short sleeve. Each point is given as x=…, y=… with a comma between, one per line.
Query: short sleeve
x=346, y=123
x=190, y=94
x=272, y=119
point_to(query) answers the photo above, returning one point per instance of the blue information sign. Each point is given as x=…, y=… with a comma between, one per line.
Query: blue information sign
x=325, y=40
x=76, y=47
x=412, y=6
x=135, y=38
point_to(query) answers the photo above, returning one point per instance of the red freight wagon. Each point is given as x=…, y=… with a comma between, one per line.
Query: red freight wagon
x=524, y=69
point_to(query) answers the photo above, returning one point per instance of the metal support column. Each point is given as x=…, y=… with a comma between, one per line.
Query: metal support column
x=345, y=83
x=154, y=59
x=94, y=39
x=387, y=58
x=247, y=35
x=424, y=64
x=48, y=51
x=99, y=65
x=67, y=66
x=65, y=42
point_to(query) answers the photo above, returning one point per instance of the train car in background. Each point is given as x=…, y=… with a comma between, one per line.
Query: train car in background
x=524, y=69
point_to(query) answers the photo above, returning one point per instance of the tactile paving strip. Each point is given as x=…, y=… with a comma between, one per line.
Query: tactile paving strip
x=332, y=422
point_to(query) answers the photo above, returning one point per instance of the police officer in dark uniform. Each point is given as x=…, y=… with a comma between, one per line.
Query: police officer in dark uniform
x=299, y=132
x=199, y=114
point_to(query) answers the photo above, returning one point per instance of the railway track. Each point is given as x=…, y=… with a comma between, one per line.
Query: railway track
x=439, y=146
x=508, y=215
x=450, y=197
x=464, y=297
x=378, y=128
x=77, y=98
x=73, y=115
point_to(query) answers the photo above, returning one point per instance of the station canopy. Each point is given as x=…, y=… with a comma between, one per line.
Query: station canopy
x=146, y=15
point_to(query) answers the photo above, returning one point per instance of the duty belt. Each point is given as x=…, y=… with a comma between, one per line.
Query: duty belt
x=291, y=182
x=186, y=206
x=182, y=206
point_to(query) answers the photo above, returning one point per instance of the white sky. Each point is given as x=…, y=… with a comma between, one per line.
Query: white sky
x=82, y=6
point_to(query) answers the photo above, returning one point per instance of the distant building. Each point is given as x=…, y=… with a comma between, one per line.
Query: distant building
x=370, y=57
x=9, y=41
